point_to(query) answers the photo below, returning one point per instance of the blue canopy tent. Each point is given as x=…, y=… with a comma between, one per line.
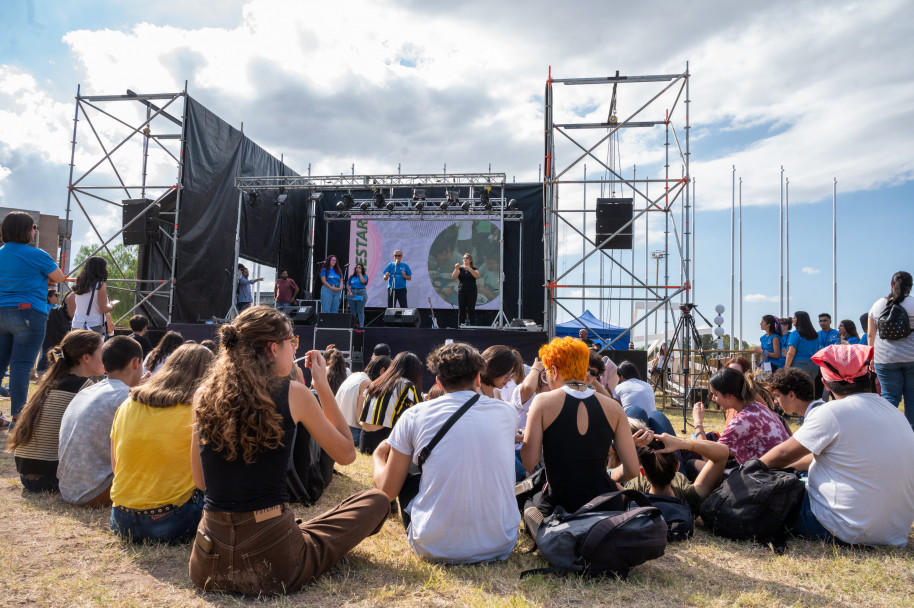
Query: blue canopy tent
x=605, y=332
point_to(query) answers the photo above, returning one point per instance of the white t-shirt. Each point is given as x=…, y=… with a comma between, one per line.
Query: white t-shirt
x=465, y=510
x=894, y=351
x=84, y=314
x=636, y=392
x=347, y=397
x=861, y=481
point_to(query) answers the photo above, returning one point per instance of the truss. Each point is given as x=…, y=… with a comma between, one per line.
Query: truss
x=562, y=286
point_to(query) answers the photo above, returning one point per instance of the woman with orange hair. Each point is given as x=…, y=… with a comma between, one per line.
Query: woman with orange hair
x=573, y=428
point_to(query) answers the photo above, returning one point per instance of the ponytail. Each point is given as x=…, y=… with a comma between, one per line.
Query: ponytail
x=901, y=288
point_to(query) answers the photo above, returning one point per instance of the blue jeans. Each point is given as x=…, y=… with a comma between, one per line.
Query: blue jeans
x=173, y=527
x=21, y=335
x=356, y=434
x=330, y=300
x=358, y=306
x=808, y=526
x=897, y=381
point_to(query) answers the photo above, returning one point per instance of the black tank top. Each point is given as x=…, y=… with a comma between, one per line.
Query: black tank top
x=237, y=487
x=467, y=282
x=575, y=463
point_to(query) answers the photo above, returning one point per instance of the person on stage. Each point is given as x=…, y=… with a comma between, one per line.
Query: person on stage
x=466, y=274
x=245, y=299
x=397, y=273
x=356, y=289
x=285, y=291
x=331, y=292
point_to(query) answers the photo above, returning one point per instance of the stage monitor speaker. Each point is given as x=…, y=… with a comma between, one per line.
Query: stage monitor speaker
x=612, y=214
x=303, y=314
x=401, y=317
x=144, y=230
x=339, y=338
x=335, y=319
x=528, y=324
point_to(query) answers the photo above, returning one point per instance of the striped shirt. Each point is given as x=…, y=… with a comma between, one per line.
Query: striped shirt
x=39, y=455
x=385, y=409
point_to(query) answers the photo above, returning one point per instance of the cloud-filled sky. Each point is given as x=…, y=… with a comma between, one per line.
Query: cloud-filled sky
x=821, y=89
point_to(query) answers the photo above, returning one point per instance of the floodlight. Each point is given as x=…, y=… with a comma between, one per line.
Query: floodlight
x=347, y=201
x=512, y=204
x=340, y=205
x=419, y=205
x=465, y=205
x=281, y=199
x=443, y=206
x=390, y=205
x=253, y=199
x=364, y=205
x=378, y=200
x=316, y=196
x=418, y=194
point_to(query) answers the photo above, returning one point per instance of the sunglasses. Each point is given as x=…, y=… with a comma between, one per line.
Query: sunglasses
x=398, y=255
x=294, y=340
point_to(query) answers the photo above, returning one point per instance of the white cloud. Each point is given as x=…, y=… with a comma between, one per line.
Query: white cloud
x=760, y=297
x=809, y=270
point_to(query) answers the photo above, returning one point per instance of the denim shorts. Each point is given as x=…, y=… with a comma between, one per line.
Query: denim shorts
x=177, y=525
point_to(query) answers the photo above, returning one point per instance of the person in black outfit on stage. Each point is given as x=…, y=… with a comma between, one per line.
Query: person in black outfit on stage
x=466, y=274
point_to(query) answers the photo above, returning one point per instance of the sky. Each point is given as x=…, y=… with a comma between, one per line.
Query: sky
x=820, y=89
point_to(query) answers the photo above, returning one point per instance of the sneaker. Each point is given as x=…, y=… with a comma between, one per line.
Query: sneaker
x=533, y=518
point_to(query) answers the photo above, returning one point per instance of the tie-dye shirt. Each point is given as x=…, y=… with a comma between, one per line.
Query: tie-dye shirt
x=753, y=431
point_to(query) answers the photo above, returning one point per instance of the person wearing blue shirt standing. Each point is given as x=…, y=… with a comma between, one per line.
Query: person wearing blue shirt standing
x=770, y=348
x=244, y=298
x=357, y=293
x=26, y=272
x=827, y=335
x=802, y=344
x=331, y=292
x=397, y=273
x=863, y=327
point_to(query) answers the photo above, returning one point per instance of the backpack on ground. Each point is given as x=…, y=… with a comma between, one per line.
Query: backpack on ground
x=893, y=323
x=605, y=536
x=310, y=468
x=754, y=502
x=677, y=514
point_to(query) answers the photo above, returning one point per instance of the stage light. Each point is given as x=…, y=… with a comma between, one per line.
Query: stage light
x=390, y=206
x=364, y=205
x=418, y=194
x=253, y=199
x=443, y=206
x=465, y=205
x=340, y=205
x=281, y=199
x=484, y=199
x=419, y=205
x=378, y=200
x=347, y=201
x=316, y=196
x=512, y=204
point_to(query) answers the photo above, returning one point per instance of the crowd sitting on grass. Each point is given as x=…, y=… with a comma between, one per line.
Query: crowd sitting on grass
x=196, y=447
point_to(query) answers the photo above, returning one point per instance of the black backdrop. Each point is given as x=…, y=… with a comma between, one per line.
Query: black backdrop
x=277, y=235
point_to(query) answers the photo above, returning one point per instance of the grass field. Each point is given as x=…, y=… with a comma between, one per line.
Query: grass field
x=52, y=554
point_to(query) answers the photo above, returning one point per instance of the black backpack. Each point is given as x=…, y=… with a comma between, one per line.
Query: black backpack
x=754, y=502
x=893, y=323
x=605, y=536
x=310, y=468
x=680, y=523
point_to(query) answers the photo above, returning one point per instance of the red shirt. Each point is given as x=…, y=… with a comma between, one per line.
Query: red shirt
x=752, y=432
x=284, y=290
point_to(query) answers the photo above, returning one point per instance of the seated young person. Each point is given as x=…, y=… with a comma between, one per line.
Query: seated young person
x=33, y=440
x=386, y=398
x=754, y=428
x=85, y=431
x=350, y=396
x=248, y=540
x=139, y=325
x=573, y=428
x=861, y=479
x=502, y=364
x=153, y=492
x=660, y=467
x=632, y=391
x=462, y=509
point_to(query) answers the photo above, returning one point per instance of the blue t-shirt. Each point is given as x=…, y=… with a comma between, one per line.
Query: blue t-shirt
x=356, y=283
x=864, y=340
x=333, y=279
x=395, y=270
x=767, y=343
x=24, y=274
x=829, y=337
x=853, y=340
x=244, y=290
x=805, y=348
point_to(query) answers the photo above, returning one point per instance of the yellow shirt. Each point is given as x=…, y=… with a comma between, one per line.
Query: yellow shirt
x=151, y=450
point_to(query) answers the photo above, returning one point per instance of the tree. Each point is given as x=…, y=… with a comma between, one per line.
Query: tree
x=126, y=258
x=709, y=342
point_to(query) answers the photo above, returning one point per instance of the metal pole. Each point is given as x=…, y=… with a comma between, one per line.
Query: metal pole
x=787, y=239
x=549, y=243
x=631, y=337
x=694, y=230
x=178, y=195
x=584, y=245
x=647, y=238
x=834, y=244
x=666, y=235
x=65, y=248
x=780, y=248
x=233, y=309
x=732, y=254
x=691, y=204
x=310, y=269
x=739, y=343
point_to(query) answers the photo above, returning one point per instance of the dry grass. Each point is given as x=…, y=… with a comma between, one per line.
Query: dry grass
x=52, y=554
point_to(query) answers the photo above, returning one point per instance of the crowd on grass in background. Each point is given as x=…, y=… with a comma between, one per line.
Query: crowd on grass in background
x=189, y=442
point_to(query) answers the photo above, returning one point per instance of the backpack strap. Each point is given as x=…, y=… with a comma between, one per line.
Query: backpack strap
x=613, y=501
x=604, y=527
x=424, y=452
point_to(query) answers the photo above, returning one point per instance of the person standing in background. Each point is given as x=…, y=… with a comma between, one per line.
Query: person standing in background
x=245, y=298
x=466, y=275
x=59, y=321
x=397, y=273
x=356, y=290
x=331, y=291
x=285, y=290
x=91, y=302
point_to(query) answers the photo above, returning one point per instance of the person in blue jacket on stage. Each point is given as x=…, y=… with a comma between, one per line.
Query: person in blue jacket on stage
x=397, y=273
x=331, y=292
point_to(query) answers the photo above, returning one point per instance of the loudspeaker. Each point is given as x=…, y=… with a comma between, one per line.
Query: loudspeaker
x=144, y=230
x=401, y=317
x=528, y=324
x=340, y=338
x=612, y=214
x=335, y=319
x=304, y=314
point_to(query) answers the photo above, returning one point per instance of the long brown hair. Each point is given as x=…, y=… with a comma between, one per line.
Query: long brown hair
x=405, y=365
x=336, y=368
x=178, y=379
x=235, y=412
x=63, y=358
x=167, y=345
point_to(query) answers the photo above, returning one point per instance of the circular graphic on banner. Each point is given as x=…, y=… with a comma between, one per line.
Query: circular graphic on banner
x=478, y=238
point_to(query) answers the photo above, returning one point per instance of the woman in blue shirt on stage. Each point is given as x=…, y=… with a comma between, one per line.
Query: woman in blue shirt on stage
x=357, y=293
x=770, y=348
x=331, y=292
x=802, y=343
